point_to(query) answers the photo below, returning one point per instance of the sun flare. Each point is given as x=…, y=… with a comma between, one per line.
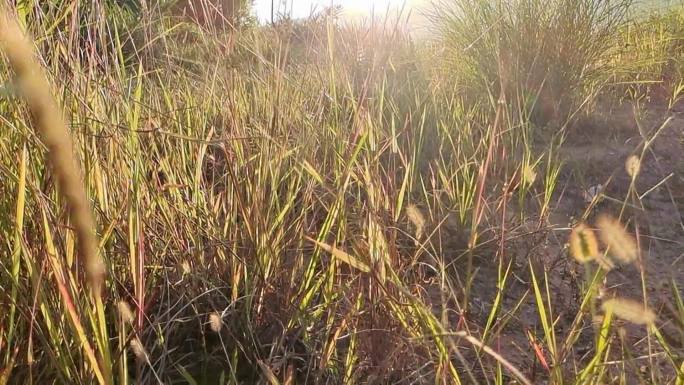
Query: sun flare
x=352, y=8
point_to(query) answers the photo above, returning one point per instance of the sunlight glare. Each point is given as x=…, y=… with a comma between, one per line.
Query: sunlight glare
x=303, y=8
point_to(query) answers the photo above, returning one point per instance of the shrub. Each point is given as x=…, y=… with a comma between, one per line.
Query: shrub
x=547, y=54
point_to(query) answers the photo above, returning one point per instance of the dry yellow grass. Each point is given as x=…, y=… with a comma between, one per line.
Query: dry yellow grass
x=276, y=179
x=50, y=123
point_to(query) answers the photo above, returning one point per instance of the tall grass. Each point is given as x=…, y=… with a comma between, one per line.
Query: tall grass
x=550, y=55
x=257, y=195
x=651, y=55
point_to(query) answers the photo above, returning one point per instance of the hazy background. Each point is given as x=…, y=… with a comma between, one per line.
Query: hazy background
x=356, y=9
x=352, y=8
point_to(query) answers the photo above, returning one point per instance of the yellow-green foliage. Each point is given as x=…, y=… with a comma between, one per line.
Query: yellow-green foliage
x=652, y=53
x=548, y=55
x=304, y=202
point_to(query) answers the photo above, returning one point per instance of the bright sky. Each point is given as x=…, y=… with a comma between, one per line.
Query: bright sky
x=303, y=8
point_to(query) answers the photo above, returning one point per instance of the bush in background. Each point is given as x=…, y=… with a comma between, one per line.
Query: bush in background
x=549, y=55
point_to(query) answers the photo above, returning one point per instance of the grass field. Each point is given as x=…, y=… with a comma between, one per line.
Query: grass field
x=218, y=201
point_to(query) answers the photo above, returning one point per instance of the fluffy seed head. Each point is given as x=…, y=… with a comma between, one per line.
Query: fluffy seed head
x=620, y=244
x=632, y=166
x=125, y=311
x=605, y=262
x=583, y=245
x=417, y=219
x=529, y=175
x=138, y=349
x=215, y=322
x=630, y=310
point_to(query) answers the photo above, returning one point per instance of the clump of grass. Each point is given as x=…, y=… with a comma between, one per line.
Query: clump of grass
x=49, y=123
x=549, y=56
x=253, y=200
x=33, y=86
x=648, y=63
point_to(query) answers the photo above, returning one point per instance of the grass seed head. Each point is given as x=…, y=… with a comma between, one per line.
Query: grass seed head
x=583, y=244
x=605, y=262
x=629, y=310
x=529, y=175
x=215, y=322
x=417, y=219
x=125, y=311
x=632, y=166
x=138, y=349
x=620, y=244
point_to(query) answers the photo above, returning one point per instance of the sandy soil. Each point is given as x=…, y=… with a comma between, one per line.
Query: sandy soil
x=594, y=154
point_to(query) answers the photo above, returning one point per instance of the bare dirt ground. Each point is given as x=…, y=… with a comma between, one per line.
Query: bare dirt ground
x=594, y=154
